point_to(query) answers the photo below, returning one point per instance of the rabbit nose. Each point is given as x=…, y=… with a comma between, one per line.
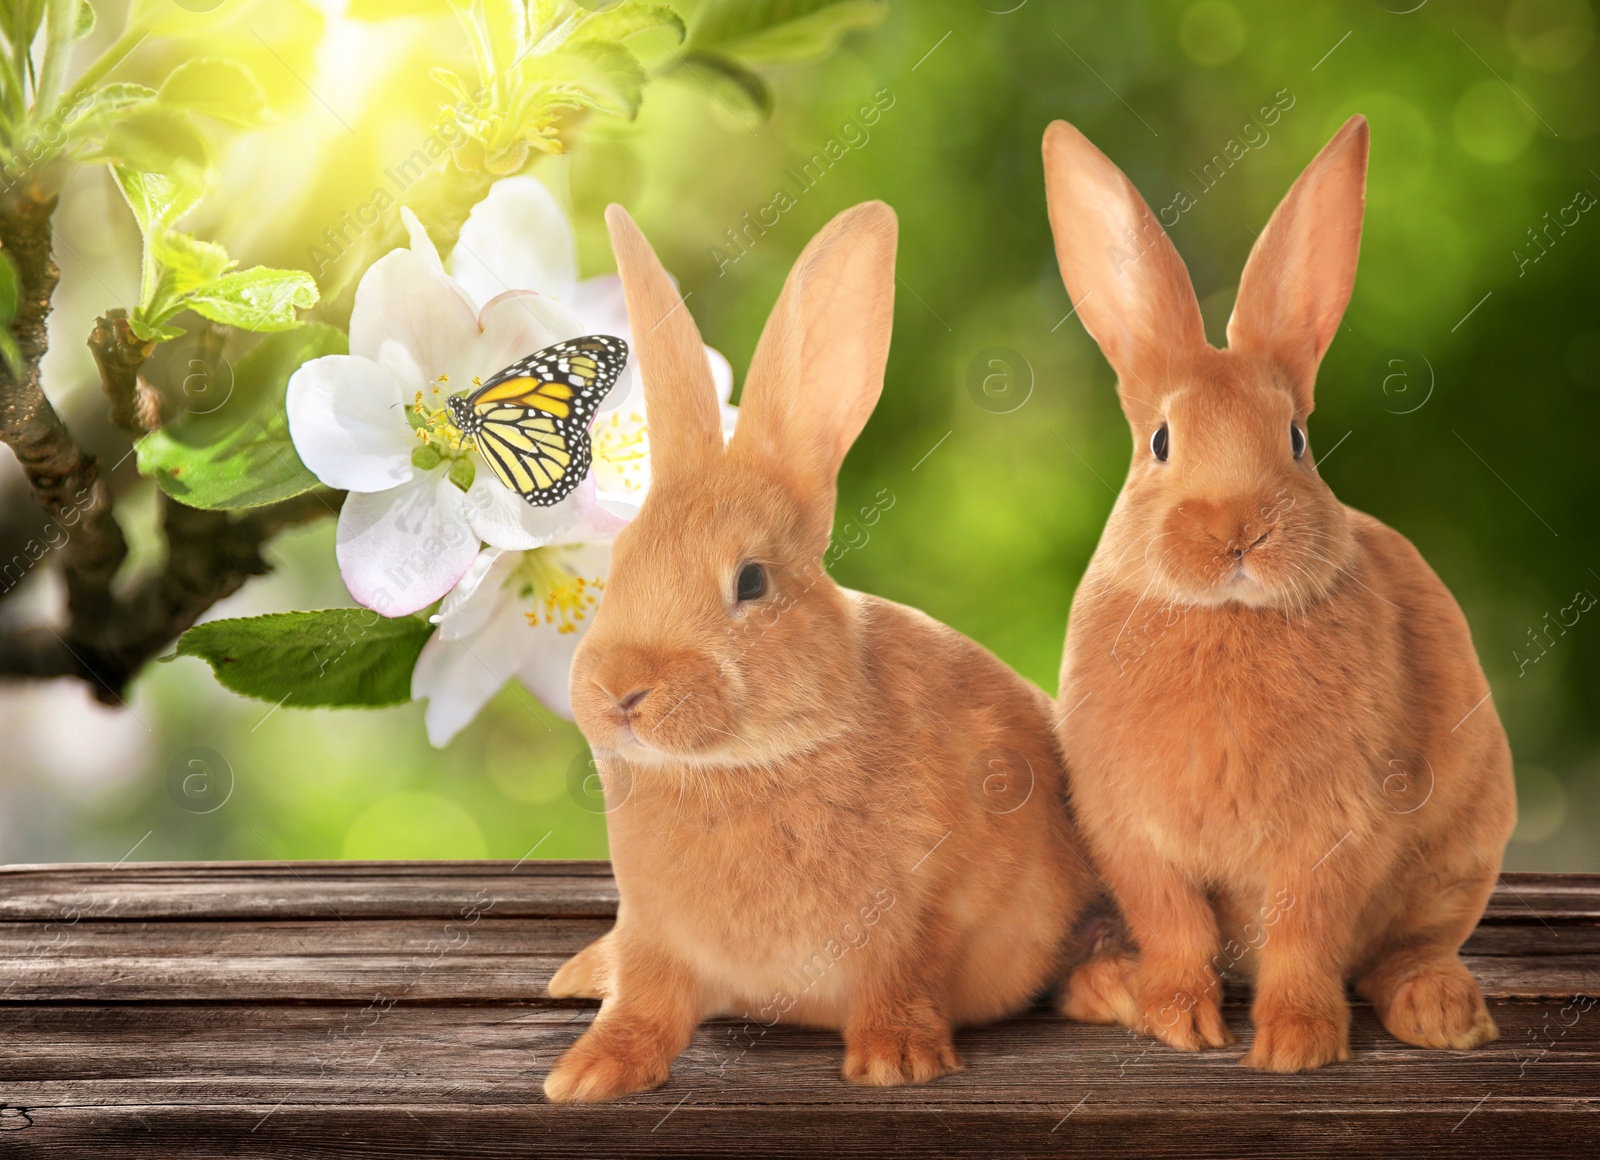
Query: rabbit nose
x=1238, y=549
x=630, y=701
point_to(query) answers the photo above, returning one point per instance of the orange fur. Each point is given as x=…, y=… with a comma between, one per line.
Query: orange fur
x=1282, y=751
x=800, y=830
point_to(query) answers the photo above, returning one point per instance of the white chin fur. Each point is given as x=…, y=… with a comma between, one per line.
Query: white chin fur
x=1242, y=589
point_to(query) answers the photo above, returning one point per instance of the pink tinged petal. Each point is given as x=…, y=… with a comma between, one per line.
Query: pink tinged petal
x=513, y=326
x=348, y=423
x=402, y=549
x=517, y=238
x=459, y=676
x=503, y=519
x=478, y=595
x=601, y=523
x=412, y=319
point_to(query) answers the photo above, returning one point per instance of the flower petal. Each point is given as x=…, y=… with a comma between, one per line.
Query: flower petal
x=621, y=444
x=421, y=244
x=348, y=423
x=460, y=676
x=412, y=319
x=400, y=550
x=599, y=303
x=721, y=373
x=477, y=595
x=517, y=238
x=512, y=326
x=503, y=519
x=546, y=666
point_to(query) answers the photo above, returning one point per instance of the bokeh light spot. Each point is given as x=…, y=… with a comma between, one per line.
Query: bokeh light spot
x=414, y=825
x=1212, y=32
x=1492, y=124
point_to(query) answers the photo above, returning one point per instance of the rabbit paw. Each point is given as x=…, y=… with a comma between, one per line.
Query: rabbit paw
x=1182, y=1019
x=593, y=1071
x=902, y=1053
x=1438, y=1007
x=1297, y=1041
x=1097, y=991
x=582, y=976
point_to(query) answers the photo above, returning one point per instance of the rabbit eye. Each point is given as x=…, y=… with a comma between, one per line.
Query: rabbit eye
x=1297, y=440
x=752, y=582
x=1158, y=443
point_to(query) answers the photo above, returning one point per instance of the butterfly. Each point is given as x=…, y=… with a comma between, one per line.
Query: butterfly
x=531, y=420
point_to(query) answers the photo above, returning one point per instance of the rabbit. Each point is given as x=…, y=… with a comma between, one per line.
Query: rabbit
x=805, y=822
x=1285, y=758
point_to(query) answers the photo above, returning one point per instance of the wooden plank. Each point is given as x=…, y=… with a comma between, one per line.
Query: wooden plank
x=471, y=1080
x=138, y=892
x=397, y=1010
x=142, y=891
x=429, y=960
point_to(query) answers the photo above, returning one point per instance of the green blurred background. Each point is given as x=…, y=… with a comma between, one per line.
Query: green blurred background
x=1459, y=404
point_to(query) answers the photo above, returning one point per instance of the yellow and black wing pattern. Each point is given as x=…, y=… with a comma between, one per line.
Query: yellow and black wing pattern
x=531, y=420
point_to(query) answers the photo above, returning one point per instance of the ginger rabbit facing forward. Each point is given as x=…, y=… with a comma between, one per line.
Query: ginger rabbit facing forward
x=797, y=774
x=1284, y=754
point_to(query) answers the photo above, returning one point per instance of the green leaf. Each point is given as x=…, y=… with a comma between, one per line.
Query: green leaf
x=10, y=297
x=9, y=352
x=778, y=31
x=157, y=200
x=90, y=113
x=730, y=80
x=146, y=330
x=457, y=87
x=10, y=291
x=20, y=19
x=187, y=263
x=158, y=140
x=218, y=88
x=625, y=20
x=598, y=73
x=507, y=24
x=260, y=298
x=336, y=657
x=85, y=24
x=239, y=453
x=183, y=264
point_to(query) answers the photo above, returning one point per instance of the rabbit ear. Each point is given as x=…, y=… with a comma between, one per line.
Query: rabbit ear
x=1303, y=266
x=818, y=369
x=1123, y=274
x=680, y=397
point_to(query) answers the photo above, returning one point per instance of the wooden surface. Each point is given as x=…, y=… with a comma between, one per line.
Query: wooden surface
x=397, y=1010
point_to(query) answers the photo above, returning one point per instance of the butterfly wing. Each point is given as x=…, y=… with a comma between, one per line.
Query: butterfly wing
x=533, y=417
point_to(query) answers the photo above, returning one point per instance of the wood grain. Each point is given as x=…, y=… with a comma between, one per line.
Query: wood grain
x=350, y=1009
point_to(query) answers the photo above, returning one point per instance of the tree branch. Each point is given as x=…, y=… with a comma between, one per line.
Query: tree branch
x=107, y=638
x=65, y=480
x=135, y=406
x=209, y=557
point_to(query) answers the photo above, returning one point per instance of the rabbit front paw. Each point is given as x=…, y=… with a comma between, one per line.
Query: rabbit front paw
x=1182, y=1018
x=600, y=1067
x=1438, y=1006
x=1297, y=1040
x=911, y=1046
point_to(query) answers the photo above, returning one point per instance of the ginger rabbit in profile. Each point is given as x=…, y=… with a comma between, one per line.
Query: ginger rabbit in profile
x=1285, y=757
x=805, y=820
